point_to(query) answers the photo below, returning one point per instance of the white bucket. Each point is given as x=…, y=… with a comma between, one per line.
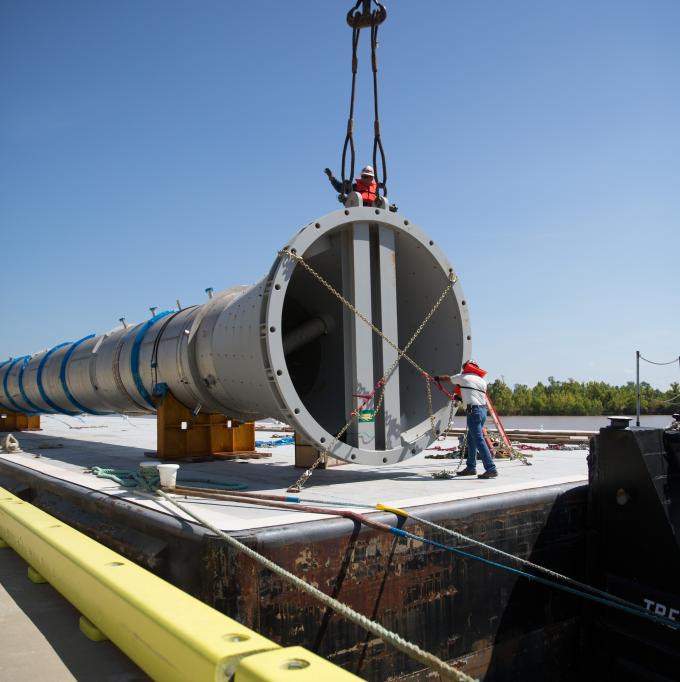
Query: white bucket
x=168, y=474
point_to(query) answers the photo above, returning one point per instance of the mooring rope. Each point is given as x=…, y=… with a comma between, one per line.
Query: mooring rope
x=572, y=586
x=398, y=642
x=524, y=562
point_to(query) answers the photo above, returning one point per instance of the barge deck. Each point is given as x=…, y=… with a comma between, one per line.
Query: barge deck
x=462, y=611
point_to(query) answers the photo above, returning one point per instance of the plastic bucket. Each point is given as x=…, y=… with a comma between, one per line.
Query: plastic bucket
x=168, y=474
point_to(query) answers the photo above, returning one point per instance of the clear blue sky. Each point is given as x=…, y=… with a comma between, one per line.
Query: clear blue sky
x=151, y=149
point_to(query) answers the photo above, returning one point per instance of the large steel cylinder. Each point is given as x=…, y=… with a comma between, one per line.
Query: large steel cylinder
x=286, y=347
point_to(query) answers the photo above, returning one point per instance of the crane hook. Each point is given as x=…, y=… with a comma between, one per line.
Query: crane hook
x=366, y=17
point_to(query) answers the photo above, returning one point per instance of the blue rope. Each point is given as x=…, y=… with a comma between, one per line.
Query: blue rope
x=632, y=609
x=41, y=387
x=134, y=356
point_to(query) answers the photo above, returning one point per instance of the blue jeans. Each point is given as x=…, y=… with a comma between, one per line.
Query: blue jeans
x=475, y=420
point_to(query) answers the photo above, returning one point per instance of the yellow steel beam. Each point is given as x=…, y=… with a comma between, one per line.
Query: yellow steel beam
x=165, y=631
x=293, y=664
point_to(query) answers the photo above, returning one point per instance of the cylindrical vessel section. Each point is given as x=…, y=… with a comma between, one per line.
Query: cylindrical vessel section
x=286, y=347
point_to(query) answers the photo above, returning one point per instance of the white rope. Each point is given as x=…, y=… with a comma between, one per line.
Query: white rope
x=430, y=660
x=10, y=444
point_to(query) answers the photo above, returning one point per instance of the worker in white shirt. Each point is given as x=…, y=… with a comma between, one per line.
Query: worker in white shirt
x=473, y=389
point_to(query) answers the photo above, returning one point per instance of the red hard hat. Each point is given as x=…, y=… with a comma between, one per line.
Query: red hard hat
x=471, y=367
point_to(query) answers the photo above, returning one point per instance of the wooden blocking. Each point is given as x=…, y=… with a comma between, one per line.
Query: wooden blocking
x=306, y=455
x=182, y=434
x=15, y=421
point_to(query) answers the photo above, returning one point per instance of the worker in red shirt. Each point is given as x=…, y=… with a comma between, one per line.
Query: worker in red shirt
x=473, y=389
x=365, y=185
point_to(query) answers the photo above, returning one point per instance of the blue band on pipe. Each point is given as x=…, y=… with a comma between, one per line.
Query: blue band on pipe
x=2, y=405
x=62, y=376
x=29, y=402
x=15, y=406
x=134, y=356
x=41, y=388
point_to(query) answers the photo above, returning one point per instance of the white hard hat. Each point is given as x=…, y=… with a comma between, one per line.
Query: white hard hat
x=368, y=170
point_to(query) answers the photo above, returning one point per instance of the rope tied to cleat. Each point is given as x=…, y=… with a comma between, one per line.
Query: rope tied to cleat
x=151, y=481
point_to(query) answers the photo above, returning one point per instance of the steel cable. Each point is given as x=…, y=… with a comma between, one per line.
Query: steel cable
x=670, y=362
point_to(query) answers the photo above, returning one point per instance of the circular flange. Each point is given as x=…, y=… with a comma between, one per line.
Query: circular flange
x=414, y=437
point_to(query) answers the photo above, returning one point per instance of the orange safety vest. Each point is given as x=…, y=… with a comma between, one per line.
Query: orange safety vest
x=369, y=192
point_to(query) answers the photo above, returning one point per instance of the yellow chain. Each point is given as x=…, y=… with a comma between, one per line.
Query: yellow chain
x=299, y=484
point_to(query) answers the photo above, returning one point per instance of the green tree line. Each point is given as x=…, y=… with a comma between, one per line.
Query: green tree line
x=581, y=398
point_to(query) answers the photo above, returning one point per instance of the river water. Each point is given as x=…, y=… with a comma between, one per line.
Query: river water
x=577, y=423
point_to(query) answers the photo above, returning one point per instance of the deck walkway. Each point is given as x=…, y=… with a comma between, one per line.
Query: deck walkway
x=67, y=446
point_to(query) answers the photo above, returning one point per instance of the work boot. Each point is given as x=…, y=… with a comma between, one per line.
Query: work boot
x=489, y=474
x=467, y=472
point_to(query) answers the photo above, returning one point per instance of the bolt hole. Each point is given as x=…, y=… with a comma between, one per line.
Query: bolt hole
x=431, y=243
x=377, y=211
x=278, y=372
x=295, y=664
x=462, y=302
x=405, y=222
x=413, y=451
x=236, y=638
x=272, y=329
x=353, y=456
x=384, y=460
x=277, y=287
x=322, y=440
x=317, y=225
x=293, y=250
x=346, y=212
x=469, y=337
x=297, y=410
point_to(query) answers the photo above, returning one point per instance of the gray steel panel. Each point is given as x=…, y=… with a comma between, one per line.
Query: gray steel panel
x=31, y=383
x=12, y=392
x=110, y=395
x=52, y=383
x=391, y=419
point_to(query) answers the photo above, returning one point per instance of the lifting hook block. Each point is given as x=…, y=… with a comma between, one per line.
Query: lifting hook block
x=365, y=18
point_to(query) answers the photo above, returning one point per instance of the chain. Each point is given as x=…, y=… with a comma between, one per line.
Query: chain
x=302, y=480
x=428, y=393
x=402, y=353
x=463, y=449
